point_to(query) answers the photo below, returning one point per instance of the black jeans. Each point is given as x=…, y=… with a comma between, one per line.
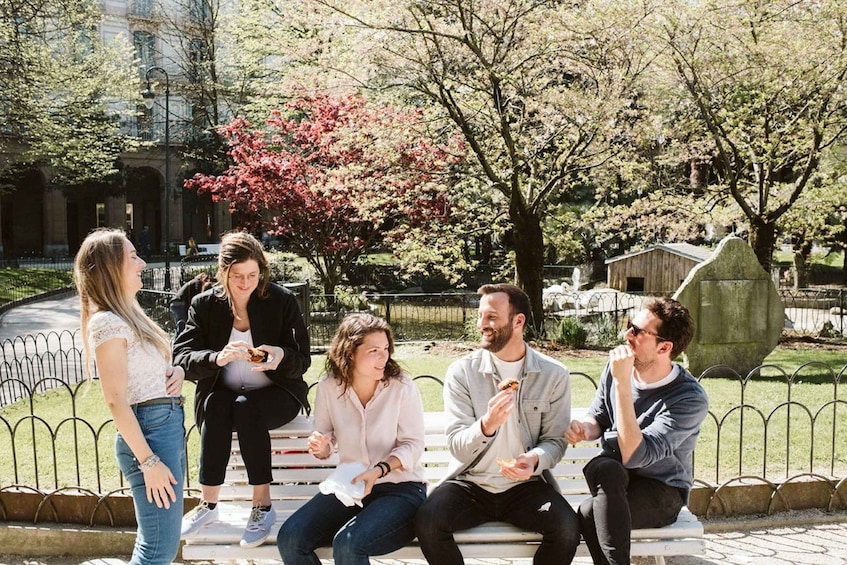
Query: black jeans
x=534, y=505
x=622, y=501
x=251, y=413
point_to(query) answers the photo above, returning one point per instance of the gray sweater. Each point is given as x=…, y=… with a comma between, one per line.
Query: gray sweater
x=669, y=418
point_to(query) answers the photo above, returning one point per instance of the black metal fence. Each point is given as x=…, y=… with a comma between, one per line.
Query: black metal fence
x=772, y=423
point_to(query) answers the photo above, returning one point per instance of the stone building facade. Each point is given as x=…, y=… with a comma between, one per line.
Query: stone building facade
x=39, y=220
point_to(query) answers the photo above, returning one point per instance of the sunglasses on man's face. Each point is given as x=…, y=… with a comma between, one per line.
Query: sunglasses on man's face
x=636, y=330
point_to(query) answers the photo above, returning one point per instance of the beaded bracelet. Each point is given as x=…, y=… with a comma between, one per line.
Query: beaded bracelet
x=149, y=463
x=384, y=468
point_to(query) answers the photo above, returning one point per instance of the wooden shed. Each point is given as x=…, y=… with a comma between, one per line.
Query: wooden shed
x=656, y=270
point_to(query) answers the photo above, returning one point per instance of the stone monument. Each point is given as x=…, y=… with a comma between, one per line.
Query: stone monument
x=736, y=308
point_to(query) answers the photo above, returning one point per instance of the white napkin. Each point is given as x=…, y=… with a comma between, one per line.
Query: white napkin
x=339, y=483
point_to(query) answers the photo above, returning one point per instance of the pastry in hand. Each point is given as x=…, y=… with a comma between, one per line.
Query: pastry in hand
x=507, y=462
x=257, y=355
x=508, y=383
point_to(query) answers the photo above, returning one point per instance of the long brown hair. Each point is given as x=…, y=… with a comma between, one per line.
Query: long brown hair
x=98, y=275
x=238, y=247
x=351, y=333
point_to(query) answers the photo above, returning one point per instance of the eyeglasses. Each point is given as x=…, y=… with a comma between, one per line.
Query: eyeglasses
x=636, y=330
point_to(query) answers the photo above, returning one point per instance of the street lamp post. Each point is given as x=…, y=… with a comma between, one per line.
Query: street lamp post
x=148, y=95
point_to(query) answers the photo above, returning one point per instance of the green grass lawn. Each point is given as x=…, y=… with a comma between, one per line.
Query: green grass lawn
x=69, y=434
x=20, y=283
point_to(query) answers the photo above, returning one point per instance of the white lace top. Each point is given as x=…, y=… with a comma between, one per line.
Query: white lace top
x=147, y=365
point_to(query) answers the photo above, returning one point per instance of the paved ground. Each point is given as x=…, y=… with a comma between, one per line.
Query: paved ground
x=54, y=314
x=795, y=538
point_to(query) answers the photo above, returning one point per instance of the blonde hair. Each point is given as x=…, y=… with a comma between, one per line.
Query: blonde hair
x=98, y=275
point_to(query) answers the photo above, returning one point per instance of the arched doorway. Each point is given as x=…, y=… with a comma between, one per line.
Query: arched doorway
x=22, y=211
x=144, y=187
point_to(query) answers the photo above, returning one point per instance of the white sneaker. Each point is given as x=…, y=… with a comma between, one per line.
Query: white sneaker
x=199, y=516
x=258, y=527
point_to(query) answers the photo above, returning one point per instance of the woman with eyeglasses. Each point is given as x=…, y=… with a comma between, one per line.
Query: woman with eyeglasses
x=246, y=345
x=140, y=386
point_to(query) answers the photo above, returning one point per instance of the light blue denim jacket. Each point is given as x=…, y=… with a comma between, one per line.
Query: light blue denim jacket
x=543, y=403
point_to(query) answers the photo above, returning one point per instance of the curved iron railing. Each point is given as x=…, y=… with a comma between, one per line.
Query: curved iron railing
x=790, y=436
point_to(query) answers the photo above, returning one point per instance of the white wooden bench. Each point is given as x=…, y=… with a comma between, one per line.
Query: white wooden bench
x=202, y=249
x=296, y=476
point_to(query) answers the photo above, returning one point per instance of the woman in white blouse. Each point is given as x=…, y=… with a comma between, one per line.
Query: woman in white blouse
x=140, y=386
x=368, y=409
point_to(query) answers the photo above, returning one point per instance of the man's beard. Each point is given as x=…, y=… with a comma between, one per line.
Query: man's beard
x=499, y=338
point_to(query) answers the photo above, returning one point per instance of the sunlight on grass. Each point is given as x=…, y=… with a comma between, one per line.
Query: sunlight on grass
x=62, y=437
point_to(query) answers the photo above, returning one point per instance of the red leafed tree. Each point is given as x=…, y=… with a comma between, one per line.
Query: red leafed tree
x=334, y=175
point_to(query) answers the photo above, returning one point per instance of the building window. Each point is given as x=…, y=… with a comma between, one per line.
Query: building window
x=200, y=12
x=144, y=43
x=142, y=9
x=101, y=214
x=635, y=284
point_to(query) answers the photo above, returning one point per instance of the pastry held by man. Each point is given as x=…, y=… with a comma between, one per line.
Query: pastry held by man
x=507, y=462
x=508, y=383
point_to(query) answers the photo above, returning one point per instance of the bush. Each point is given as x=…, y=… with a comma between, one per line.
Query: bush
x=604, y=332
x=570, y=332
x=287, y=267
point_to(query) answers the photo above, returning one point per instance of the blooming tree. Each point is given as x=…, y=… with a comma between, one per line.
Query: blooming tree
x=334, y=175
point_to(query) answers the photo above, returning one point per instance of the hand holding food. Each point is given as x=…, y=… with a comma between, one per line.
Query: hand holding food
x=257, y=355
x=520, y=468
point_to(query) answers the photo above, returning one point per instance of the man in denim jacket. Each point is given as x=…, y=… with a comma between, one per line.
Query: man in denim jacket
x=647, y=415
x=503, y=442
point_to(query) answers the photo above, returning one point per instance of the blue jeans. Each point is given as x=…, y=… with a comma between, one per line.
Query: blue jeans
x=383, y=524
x=163, y=426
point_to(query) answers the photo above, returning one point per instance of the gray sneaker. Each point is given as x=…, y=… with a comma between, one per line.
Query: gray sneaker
x=199, y=516
x=258, y=527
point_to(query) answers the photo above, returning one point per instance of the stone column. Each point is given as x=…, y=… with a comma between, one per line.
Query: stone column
x=116, y=211
x=55, y=223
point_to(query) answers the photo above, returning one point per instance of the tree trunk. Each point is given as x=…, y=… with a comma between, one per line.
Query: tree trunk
x=763, y=242
x=529, y=261
x=802, y=250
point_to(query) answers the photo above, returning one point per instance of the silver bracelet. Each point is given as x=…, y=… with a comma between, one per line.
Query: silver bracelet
x=149, y=463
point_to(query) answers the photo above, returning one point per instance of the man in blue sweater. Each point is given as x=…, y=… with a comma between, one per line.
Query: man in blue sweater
x=647, y=415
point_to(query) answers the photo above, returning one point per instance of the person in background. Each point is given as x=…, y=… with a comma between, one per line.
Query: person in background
x=144, y=242
x=503, y=438
x=368, y=409
x=246, y=345
x=182, y=299
x=191, y=249
x=140, y=386
x=647, y=414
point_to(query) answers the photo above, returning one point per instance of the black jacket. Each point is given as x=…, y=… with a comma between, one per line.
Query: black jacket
x=275, y=320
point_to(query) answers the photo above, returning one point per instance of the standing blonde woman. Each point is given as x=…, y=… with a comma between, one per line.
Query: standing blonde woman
x=140, y=386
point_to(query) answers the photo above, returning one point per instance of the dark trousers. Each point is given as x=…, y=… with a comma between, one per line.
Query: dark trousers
x=534, y=505
x=251, y=413
x=620, y=502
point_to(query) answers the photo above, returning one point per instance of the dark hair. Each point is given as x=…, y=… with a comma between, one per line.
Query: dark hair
x=677, y=326
x=351, y=333
x=238, y=247
x=518, y=300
